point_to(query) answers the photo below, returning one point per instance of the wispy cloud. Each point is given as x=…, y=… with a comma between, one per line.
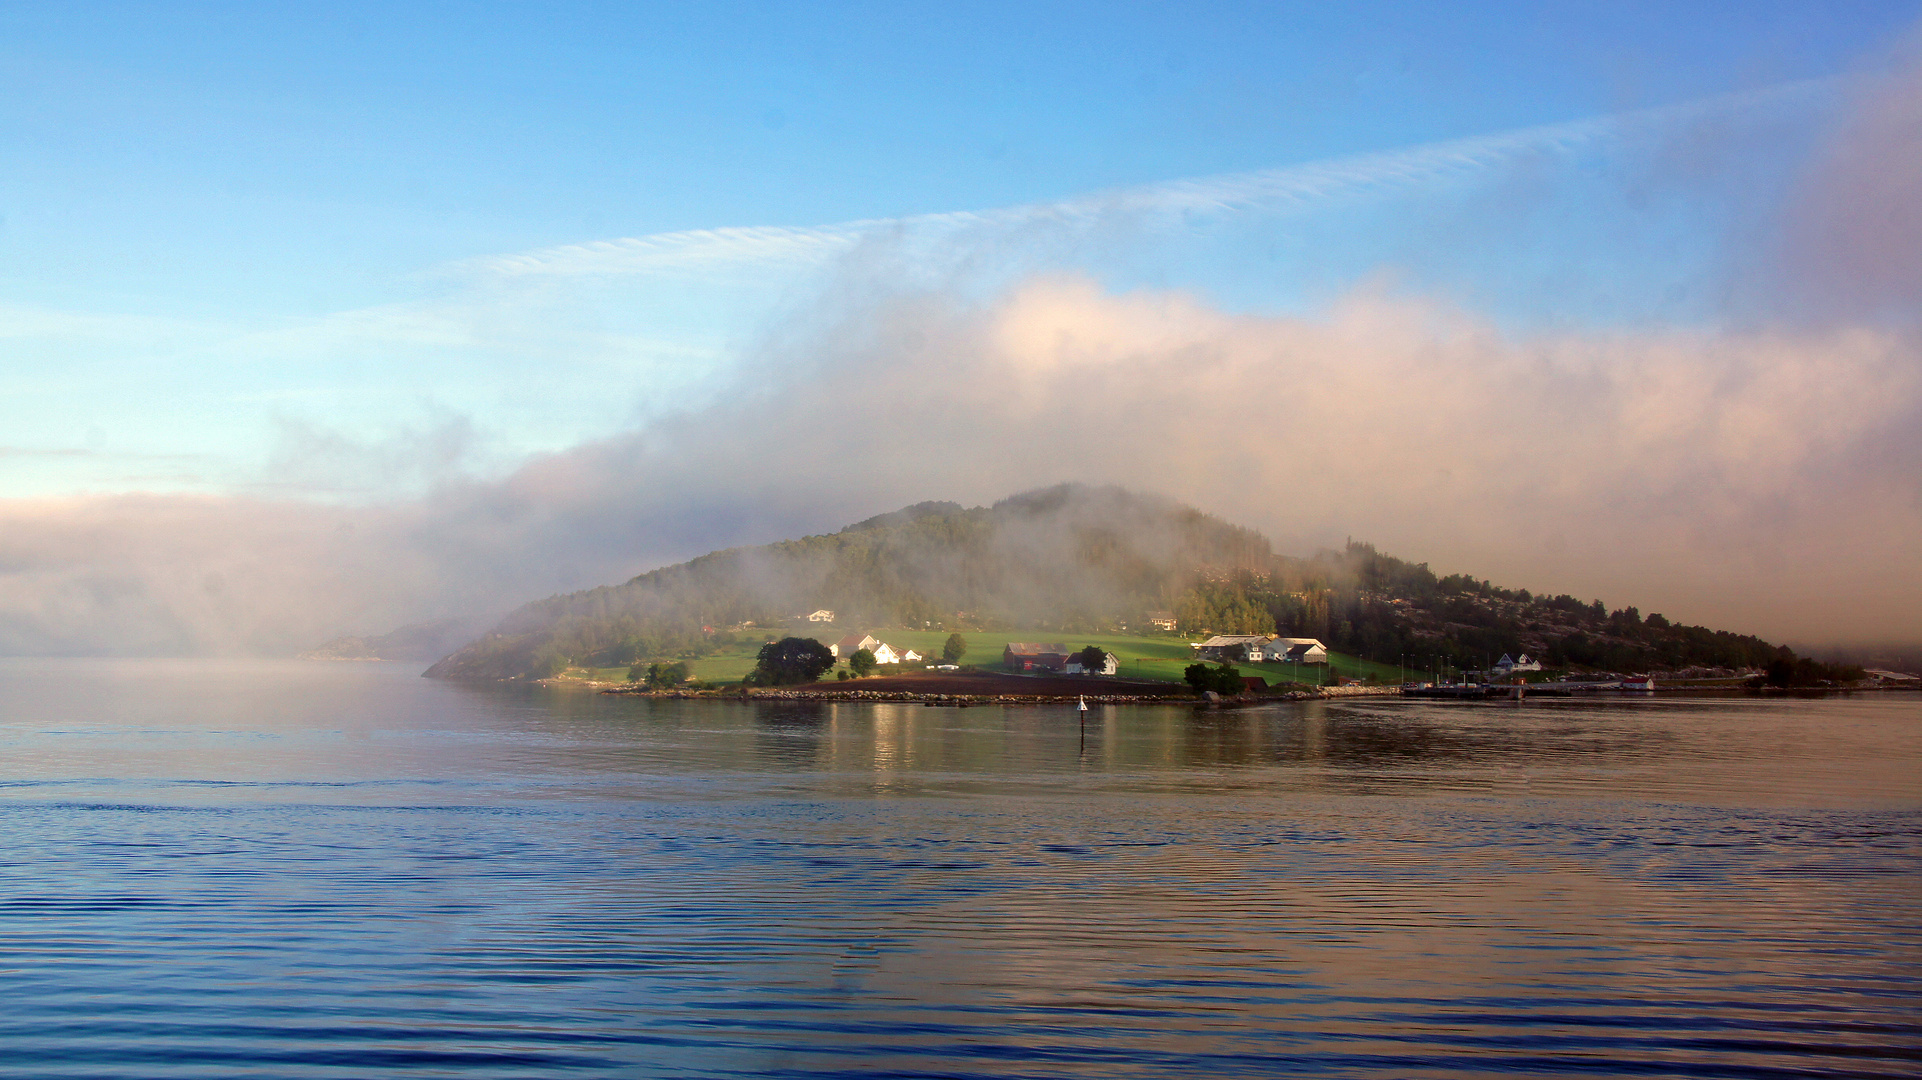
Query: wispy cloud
x=1278, y=188
x=87, y=452
x=49, y=452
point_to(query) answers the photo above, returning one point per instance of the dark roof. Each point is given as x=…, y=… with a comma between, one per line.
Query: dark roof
x=1025, y=648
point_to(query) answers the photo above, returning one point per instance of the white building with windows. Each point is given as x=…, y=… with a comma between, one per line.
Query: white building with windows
x=1110, y=664
x=1262, y=648
x=851, y=644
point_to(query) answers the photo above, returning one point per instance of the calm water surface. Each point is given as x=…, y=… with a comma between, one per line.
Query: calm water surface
x=315, y=870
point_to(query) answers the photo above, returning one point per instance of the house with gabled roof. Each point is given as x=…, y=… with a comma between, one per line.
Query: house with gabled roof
x=851, y=644
x=1030, y=656
x=1110, y=664
x=1298, y=650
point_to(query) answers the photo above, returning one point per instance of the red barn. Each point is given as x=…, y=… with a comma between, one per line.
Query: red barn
x=1027, y=656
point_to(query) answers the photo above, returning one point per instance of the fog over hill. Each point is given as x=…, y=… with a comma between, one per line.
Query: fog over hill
x=1065, y=557
x=1074, y=558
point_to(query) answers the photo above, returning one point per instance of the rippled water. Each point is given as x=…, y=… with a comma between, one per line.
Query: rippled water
x=284, y=870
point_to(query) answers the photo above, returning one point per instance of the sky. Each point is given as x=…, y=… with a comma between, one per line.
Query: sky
x=326, y=318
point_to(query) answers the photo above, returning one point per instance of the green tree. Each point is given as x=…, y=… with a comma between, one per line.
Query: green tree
x=861, y=663
x=547, y=663
x=1093, y=659
x=659, y=676
x=792, y=660
x=955, y=649
x=1224, y=680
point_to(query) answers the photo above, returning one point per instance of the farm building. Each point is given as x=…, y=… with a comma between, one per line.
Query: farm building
x=1262, y=648
x=1298, y=650
x=1028, y=656
x=1234, y=647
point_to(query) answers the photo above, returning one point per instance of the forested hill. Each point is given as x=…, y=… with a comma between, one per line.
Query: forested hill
x=1073, y=559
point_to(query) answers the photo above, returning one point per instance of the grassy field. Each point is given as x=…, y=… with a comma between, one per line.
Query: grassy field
x=1161, y=657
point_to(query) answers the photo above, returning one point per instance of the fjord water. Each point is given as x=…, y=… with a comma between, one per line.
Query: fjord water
x=341, y=870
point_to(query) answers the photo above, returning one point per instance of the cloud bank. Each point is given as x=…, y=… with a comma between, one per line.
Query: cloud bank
x=1760, y=475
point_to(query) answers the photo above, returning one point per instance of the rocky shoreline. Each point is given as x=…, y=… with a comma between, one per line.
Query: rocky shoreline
x=967, y=700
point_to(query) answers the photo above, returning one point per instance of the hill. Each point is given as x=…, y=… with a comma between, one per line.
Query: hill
x=421, y=641
x=1070, y=560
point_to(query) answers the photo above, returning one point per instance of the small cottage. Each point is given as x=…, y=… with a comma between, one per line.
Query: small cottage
x=1110, y=664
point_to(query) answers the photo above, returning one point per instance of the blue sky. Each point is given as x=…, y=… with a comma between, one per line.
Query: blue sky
x=237, y=243
x=171, y=157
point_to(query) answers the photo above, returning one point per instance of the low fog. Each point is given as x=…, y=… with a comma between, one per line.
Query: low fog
x=1760, y=472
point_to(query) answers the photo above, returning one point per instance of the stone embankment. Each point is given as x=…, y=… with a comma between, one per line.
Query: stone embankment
x=1355, y=691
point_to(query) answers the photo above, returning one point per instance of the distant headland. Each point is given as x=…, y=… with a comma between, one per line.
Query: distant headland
x=1140, y=590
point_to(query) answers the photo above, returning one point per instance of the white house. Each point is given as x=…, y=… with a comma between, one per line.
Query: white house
x=884, y=653
x=1508, y=664
x=1297, y=650
x=910, y=656
x=1260, y=648
x=851, y=644
x=1110, y=664
x=823, y=615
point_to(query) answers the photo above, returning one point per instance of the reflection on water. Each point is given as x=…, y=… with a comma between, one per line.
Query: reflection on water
x=342, y=870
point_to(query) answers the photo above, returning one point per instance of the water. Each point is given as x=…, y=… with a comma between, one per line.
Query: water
x=288, y=870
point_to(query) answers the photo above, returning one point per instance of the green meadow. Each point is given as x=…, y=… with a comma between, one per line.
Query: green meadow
x=1157, y=657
